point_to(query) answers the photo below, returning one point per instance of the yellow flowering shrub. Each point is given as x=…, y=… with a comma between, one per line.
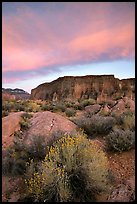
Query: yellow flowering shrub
x=75, y=168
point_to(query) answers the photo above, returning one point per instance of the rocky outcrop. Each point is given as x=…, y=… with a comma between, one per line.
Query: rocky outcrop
x=10, y=124
x=14, y=94
x=98, y=87
x=93, y=109
x=48, y=125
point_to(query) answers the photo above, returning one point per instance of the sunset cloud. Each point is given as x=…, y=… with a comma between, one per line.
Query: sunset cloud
x=40, y=38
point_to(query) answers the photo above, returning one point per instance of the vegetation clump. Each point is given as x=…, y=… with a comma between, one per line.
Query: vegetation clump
x=70, y=112
x=96, y=125
x=74, y=169
x=120, y=140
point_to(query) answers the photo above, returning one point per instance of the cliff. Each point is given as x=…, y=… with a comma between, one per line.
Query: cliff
x=98, y=87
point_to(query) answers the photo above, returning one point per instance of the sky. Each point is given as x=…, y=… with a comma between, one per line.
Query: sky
x=42, y=41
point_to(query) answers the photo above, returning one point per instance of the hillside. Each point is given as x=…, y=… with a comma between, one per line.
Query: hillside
x=98, y=87
x=8, y=93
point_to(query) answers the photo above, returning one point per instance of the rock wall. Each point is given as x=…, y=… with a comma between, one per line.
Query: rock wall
x=98, y=87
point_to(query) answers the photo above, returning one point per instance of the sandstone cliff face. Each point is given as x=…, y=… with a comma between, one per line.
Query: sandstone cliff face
x=97, y=87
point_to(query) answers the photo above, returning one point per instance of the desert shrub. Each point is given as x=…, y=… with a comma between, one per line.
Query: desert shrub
x=104, y=113
x=59, y=107
x=28, y=109
x=69, y=104
x=87, y=102
x=46, y=107
x=117, y=97
x=26, y=116
x=35, y=107
x=78, y=107
x=75, y=169
x=129, y=121
x=36, y=149
x=54, y=136
x=5, y=113
x=126, y=121
x=15, y=157
x=7, y=106
x=18, y=134
x=96, y=125
x=120, y=140
x=24, y=124
x=70, y=112
x=19, y=107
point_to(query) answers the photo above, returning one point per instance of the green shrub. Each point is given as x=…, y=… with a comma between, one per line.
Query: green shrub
x=28, y=109
x=75, y=169
x=46, y=107
x=26, y=116
x=126, y=121
x=78, y=107
x=7, y=106
x=5, y=113
x=104, y=113
x=88, y=102
x=59, y=107
x=96, y=125
x=18, y=134
x=69, y=104
x=19, y=107
x=37, y=147
x=15, y=157
x=24, y=125
x=129, y=122
x=120, y=140
x=70, y=112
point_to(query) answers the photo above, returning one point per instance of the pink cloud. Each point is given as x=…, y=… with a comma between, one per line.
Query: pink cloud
x=76, y=34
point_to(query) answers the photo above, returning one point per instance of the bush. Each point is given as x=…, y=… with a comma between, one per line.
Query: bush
x=24, y=125
x=7, y=106
x=46, y=107
x=28, y=109
x=36, y=149
x=69, y=104
x=34, y=106
x=78, y=107
x=126, y=121
x=75, y=169
x=129, y=122
x=59, y=107
x=96, y=125
x=120, y=140
x=5, y=113
x=87, y=102
x=19, y=107
x=26, y=116
x=70, y=112
x=15, y=157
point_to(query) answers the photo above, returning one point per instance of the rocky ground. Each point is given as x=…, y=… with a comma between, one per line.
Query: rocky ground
x=122, y=165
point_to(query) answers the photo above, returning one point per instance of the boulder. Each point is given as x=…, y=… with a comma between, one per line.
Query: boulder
x=123, y=105
x=45, y=123
x=10, y=124
x=93, y=109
